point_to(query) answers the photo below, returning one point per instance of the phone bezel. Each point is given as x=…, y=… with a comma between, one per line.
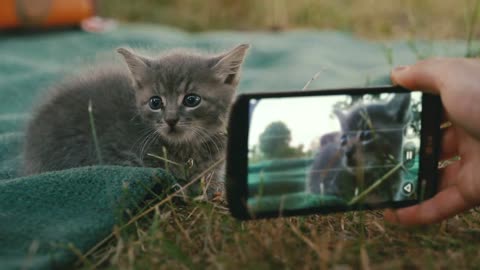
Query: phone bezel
x=237, y=151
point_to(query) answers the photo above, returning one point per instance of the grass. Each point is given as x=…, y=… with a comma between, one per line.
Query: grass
x=181, y=232
x=379, y=19
x=198, y=234
x=202, y=235
x=471, y=22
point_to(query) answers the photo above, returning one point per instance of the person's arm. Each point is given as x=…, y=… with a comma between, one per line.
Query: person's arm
x=457, y=81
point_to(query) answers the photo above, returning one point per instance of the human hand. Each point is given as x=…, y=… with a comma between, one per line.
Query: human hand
x=457, y=81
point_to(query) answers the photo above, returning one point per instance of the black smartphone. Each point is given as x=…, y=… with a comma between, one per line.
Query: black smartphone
x=324, y=151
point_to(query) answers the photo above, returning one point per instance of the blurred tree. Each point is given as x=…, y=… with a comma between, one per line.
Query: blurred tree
x=275, y=142
x=275, y=139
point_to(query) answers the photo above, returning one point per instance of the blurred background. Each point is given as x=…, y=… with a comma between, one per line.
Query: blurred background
x=375, y=19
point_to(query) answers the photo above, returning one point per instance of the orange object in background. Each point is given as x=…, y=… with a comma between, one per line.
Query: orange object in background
x=44, y=13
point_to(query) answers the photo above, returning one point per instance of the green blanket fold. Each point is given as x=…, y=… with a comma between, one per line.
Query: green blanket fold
x=40, y=215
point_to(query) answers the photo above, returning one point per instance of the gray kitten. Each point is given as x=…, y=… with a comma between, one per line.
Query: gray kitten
x=174, y=106
x=369, y=145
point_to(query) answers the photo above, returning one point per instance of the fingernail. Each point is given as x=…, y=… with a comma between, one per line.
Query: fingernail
x=400, y=68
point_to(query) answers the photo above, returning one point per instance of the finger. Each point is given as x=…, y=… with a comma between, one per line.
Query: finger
x=390, y=215
x=433, y=75
x=445, y=117
x=449, y=144
x=445, y=204
x=424, y=75
x=449, y=176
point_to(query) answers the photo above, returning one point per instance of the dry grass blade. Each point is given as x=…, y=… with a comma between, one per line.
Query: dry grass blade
x=471, y=23
x=377, y=183
x=82, y=258
x=444, y=163
x=120, y=245
x=445, y=125
x=152, y=208
x=307, y=241
x=165, y=159
x=94, y=132
x=305, y=87
x=179, y=225
x=364, y=260
x=32, y=250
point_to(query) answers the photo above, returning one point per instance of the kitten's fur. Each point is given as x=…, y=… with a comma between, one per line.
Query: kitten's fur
x=60, y=136
x=371, y=136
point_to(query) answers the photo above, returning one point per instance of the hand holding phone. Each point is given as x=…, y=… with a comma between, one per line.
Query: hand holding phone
x=456, y=80
x=328, y=151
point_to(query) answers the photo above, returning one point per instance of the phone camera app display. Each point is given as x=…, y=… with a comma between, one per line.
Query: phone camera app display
x=333, y=150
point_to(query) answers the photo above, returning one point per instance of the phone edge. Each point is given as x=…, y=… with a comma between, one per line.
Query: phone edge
x=237, y=182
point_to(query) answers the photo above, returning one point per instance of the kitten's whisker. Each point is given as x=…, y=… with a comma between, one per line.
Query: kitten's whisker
x=202, y=139
x=212, y=138
x=205, y=139
x=152, y=137
x=137, y=114
x=143, y=135
x=140, y=142
x=208, y=138
x=154, y=140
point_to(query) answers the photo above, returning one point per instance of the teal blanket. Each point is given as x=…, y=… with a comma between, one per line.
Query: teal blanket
x=42, y=217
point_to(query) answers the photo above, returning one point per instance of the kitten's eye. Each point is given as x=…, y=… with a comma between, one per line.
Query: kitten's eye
x=366, y=135
x=191, y=100
x=343, y=140
x=155, y=103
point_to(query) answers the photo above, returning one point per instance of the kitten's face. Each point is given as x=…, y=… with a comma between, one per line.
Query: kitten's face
x=372, y=135
x=186, y=97
x=189, y=107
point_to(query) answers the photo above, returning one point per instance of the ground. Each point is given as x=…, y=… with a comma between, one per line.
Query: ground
x=202, y=235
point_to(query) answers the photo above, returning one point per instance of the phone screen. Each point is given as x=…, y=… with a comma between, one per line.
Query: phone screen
x=333, y=151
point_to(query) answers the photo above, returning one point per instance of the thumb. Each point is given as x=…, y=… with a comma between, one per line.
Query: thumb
x=443, y=205
x=455, y=79
x=425, y=75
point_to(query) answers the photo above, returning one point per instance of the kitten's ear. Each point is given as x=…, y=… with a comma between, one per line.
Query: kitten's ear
x=341, y=118
x=227, y=66
x=399, y=106
x=138, y=66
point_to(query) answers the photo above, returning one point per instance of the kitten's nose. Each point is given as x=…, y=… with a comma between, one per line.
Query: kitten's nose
x=171, y=122
x=349, y=152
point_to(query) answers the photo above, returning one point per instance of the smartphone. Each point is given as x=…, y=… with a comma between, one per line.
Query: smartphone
x=324, y=151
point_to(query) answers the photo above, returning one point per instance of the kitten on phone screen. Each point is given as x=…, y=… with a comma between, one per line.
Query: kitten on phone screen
x=368, y=146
